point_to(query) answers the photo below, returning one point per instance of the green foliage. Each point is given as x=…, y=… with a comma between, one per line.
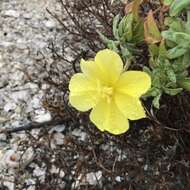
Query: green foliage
x=164, y=80
x=168, y=76
x=169, y=50
x=185, y=83
x=177, y=36
x=128, y=32
x=178, y=45
x=177, y=6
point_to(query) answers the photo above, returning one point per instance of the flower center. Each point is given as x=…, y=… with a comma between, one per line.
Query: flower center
x=107, y=92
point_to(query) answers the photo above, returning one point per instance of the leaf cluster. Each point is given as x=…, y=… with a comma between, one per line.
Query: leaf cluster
x=167, y=75
x=169, y=61
x=128, y=33
x=177, y=36
x=168, y=45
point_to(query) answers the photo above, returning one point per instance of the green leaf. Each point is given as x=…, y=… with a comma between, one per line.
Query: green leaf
x=176, y=52
x=185, y=83
x=147, y=70
x=109, y=43
x=156, y=101
x=113, y=46
x=121, y=26
x=170, y=85
x=172, y=92
x=188, y=22
x=154, y=50
x=115, y=24
x=168, y=35
x=176, y=24
x=181, y=64
x=153, y=92
x=126, y=53
x=162, y=49
x=125, y=28
x=103, y=38
x=171, y=75
x=156, y=80
x=138, y=32
x=177, y=6
x=180, y=38
x=186, y=60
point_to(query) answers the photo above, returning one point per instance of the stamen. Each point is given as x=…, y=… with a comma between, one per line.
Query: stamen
x=107, y=93
x=107, y=90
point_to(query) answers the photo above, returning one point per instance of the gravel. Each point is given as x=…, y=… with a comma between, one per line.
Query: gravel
x=25, y=29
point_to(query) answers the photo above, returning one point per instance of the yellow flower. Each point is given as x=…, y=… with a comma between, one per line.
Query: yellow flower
x=112, y=94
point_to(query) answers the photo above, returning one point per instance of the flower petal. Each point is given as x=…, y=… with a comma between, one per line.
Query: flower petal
x=107, y=117
x=110, y=65
x=83, y=92
x=91, y=69
x=134, y=83
x=99, y=114
x=130, y=106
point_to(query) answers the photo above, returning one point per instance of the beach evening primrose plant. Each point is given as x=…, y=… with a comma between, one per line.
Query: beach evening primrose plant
x=111, y=93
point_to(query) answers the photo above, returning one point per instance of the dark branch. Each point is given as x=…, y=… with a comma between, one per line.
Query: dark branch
x=33, y=125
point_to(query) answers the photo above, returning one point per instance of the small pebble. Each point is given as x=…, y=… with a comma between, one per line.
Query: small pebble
x=42, y=117
x=12, y=13
x=145, y=167
x=50, y=24
x=118, y=179
x=9, y=106
x=93, y=178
